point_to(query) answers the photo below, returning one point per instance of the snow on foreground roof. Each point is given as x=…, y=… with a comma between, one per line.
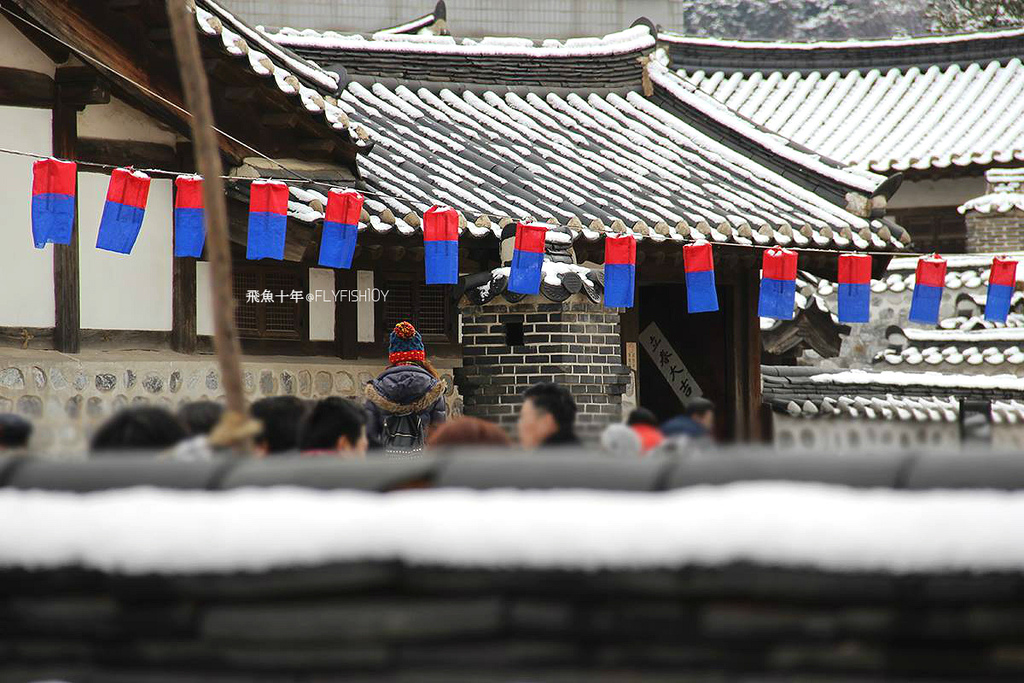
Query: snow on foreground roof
x=143, y=530
x=921, y=379
x=630, y=40
x=880, y=43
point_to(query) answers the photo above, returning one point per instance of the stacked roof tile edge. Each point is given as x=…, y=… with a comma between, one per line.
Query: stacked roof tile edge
x=904, y=104
x=573, y=142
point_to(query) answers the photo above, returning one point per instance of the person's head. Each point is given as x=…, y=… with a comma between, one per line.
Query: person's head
x=701, y=411
x=405, y=347
x=280, y=416
x=139, y=428
x=641, y=416
x=621, y=440
x=547, y=410
x=468, y=431
x=334, y=424
x=14, y=431
x=200, y=417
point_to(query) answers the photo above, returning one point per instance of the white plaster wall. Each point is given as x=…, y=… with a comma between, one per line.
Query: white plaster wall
x=26, y=273
x=125, y=291
x=321, y=308
x=120, y=121
x=948, y=192
x=18, y=52
x=364, y=309
x=204, y=300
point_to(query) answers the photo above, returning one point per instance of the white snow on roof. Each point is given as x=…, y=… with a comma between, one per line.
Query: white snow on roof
x=679, y=38
x=884, y=121
x=996, y=334
x=711, y=107
x=924, y=379
x=1006, y=192
x=630, y=40
x=142, y=530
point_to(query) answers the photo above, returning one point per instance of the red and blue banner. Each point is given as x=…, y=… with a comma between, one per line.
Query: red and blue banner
x=53, y=201
x=527, y=258
x=189, y=216
x=341, y=227
x=854, y=288
x=123, y=211
x=699, y=264
x=778, y=284
x=441, y=245
x=268, y=220
x=619, y=271
x=1001, y=281
x=928, y=284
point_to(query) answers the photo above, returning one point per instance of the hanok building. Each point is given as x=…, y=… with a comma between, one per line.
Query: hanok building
x=941, y=110
x=587, y=135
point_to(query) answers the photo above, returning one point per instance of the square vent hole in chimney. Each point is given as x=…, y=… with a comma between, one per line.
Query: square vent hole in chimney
x=514, y=334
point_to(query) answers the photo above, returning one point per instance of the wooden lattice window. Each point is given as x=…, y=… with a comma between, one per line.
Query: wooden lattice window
x=941, y=228
x=425, y=306
x=278, y=316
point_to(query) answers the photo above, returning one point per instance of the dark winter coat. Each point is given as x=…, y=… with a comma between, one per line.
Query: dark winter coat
x=401, y=390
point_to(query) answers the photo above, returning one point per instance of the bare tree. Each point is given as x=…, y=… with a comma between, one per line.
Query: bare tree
x=971, y=15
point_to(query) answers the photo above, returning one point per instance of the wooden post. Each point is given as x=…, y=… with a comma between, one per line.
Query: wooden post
x=207, y=155
x=183, y=283
x=67, y=333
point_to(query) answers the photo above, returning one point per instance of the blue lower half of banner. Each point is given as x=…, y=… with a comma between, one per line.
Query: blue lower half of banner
x=337, y=245
x=189, y=233
x=526, y=272
x=997, y=303
x=266, y=235
x=119, y=227
x=854, y=302
x=441, y=261
x=777, y=299
x=619, y=279
x=53, y=216
x=924, y=305
x=701, y=293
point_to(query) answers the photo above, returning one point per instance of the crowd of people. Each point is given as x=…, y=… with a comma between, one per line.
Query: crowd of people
x=403, y=413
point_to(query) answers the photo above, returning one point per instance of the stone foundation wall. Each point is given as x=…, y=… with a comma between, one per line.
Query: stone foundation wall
x=839, y=435
x=67, y=397
x=995, y=232
x=575, y=343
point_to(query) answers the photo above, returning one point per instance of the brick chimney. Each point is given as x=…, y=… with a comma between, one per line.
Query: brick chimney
x=995, y=221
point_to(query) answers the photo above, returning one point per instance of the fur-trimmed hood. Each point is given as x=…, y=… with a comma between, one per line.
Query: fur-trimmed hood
x=404, y=389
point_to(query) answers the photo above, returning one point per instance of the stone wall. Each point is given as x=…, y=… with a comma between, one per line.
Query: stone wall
x=67, y=396
x=839, y=435
x=575, y=343
x=995, y=232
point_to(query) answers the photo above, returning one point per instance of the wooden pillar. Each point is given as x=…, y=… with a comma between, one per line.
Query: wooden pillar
x=346, y=315
x=745, y=331
x=183, y=283
x=67, y=332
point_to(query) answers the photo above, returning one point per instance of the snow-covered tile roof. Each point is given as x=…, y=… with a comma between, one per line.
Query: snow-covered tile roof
x=308, y=84
x=899, y=105
x=1006, y=192
x=597, y=163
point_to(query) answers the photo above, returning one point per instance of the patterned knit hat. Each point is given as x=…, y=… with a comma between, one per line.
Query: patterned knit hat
x=406, y=344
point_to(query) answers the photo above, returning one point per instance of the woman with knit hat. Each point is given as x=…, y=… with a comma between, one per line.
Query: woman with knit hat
x=406, y=399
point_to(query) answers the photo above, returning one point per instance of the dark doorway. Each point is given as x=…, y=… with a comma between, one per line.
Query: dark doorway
x=699, y=341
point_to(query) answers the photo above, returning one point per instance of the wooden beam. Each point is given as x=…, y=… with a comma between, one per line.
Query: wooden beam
x=67, y=327
x=81, y=85
x=57, y=52
x=280, y=120
x=184, y=337
x=346, y=316
x=128, y=153
x=24, y=88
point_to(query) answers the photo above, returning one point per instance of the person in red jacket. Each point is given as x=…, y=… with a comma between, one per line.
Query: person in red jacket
x=645, y=424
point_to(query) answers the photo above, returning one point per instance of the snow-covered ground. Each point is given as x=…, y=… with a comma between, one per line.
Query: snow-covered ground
x=783, y=524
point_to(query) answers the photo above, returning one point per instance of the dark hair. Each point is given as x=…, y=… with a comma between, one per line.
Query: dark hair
x=467, y=431
x=554, y=400
x=14, y=430
x=200, y=417
x=641, y=416
x=280, y=416
x=331, y=419
x=696, y=406
x=139, y=427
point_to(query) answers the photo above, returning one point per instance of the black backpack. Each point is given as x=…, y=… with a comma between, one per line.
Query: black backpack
x=402, y=434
